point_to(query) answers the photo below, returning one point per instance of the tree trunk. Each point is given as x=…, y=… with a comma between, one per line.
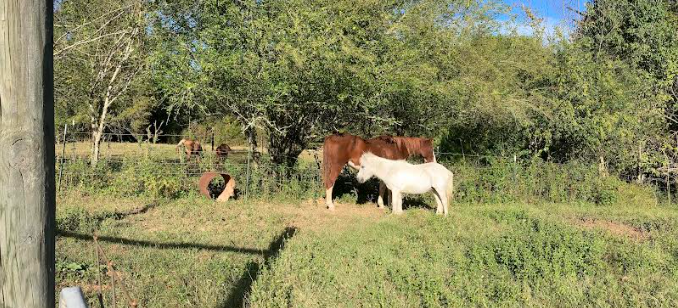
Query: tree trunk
x=285, y=149
x=251, y=134
x=27, y=188
x=96, y=147
x=602, y=167
x=110, y=96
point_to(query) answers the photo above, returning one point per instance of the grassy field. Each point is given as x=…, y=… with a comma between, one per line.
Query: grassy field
x=192, y=252
x=533, y=234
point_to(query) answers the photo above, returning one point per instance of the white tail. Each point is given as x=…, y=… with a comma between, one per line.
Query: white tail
x=450, y=188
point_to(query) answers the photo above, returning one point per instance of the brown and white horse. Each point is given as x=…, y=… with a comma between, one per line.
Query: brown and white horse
x=192, y=147
x=340, y=149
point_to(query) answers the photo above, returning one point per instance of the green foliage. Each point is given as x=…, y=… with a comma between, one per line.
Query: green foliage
x=448, y=70
x=75, y=219
x=641, y=33
x=499, y=181
x=490, y=180
x=162, y=179
x=226, y=130
x=372, y=67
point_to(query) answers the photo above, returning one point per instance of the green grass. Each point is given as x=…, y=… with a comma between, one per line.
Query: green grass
x=500, y=255
x=191, y=252
x=532, y=234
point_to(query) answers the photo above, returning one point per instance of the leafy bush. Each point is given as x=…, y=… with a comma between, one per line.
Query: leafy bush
x=497, y=181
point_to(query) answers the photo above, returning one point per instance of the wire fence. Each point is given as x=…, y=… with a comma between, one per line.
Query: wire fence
x=160, y=170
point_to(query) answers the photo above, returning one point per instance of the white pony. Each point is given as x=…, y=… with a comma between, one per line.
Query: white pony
x=402, y=177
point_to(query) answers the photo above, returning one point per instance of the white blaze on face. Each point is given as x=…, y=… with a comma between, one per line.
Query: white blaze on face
x=362, y=177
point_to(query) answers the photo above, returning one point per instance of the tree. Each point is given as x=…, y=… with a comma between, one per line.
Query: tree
x=99, y=54
x=642, y=33
x=321, y=67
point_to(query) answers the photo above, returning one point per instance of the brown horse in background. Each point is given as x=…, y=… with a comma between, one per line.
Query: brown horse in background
x=340, y=149
x=222, y=151
x=192, y=147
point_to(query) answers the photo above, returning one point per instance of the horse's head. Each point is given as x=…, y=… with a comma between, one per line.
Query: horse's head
x=180, y=144
x=366, y=169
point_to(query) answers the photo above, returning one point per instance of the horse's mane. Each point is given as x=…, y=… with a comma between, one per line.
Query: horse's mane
x=411, y=145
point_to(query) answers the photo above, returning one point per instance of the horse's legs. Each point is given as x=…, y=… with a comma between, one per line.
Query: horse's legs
x=328, y=198
x=330, y=180
x=382, y=195
x=397, y=202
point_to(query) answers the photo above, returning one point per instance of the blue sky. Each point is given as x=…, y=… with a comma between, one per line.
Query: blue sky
x=555, y=9
x=554, y=12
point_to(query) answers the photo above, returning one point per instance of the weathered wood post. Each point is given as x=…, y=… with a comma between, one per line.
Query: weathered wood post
x=27, y=190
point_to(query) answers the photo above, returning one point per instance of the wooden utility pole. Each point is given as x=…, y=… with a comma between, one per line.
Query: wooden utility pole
x=27, y=190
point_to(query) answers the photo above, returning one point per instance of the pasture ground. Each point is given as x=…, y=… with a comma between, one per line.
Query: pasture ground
x=83, y=149
x=192, y=252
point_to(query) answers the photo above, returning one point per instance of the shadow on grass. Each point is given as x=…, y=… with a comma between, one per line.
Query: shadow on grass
x=244, y=285
x=417, y=202
x=157, y=245
x=347, y=184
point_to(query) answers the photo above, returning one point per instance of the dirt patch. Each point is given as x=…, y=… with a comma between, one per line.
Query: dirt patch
x=211, y=217
x=313, y=216
x=616, y=228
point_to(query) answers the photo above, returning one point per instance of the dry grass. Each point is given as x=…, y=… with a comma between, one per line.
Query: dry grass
x=121, y=149
x=83, y=149
x=615, y=228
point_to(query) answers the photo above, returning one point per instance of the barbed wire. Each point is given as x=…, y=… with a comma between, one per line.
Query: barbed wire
x=115, y=277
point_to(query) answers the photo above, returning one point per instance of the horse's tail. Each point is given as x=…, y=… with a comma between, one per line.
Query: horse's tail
x=450, y=187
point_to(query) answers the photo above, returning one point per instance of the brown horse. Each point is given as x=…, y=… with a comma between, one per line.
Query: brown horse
x=222, y=151
x=192, y=147
x=340, y=149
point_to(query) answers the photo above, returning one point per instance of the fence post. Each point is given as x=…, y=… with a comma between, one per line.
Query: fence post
x=212, y=139
x=63, y=155
x=668, y=185
x=515, y=175
x=27, y=175
x=247, y=182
